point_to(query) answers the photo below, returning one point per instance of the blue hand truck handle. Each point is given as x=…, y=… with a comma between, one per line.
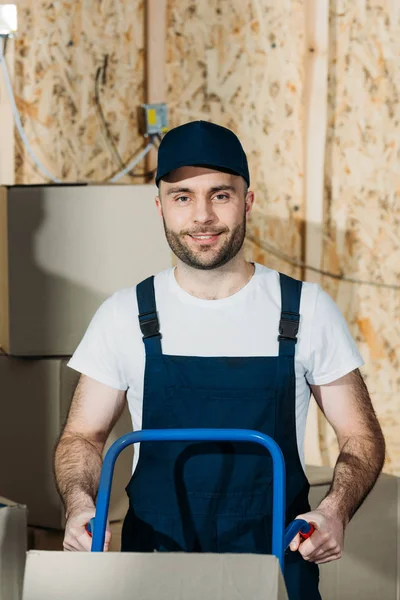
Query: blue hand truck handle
x=295, y=527
x=280, y=539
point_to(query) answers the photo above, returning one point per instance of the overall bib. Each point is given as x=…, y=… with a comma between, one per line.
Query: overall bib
x=217, y=497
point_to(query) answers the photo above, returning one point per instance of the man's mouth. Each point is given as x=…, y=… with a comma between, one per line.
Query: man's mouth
x=205, y=238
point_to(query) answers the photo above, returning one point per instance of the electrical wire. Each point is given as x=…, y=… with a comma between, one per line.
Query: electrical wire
x=298, y=263
x=17, y=119
x=102, y=73
x=133, y=163
x=5, y=45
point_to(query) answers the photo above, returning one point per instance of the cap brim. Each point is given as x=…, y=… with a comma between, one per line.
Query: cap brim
x=200, y=163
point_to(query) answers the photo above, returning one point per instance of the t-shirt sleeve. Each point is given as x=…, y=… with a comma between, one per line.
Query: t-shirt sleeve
x=97, y=355
x=333, y=351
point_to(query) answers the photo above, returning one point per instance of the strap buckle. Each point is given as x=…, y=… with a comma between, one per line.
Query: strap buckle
x=149, y=327
x=289, y=328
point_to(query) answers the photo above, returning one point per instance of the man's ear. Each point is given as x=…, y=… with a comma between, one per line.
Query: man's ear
x=158, y=204
x=249, y=202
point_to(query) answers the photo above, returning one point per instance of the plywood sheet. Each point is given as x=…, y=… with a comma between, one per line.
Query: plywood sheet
x=58, y=51
x=363, y=194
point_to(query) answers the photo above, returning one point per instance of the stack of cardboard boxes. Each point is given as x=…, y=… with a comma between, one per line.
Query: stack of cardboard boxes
x=63, y=251
x=370, y=566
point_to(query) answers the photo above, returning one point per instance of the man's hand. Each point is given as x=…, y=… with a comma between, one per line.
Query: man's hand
x=326, y=543
x=76, y=538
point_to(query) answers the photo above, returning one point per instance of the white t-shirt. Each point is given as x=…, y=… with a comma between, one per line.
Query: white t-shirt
x=244, y=324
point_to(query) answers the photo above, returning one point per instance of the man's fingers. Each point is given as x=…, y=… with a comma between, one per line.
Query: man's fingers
x=316, y=543
x=72, y=544
x=295, y=543
x=107, y=539
x=85, y=541
x=328, y=558
x=319, y=546
x=67, y=547
x=324, y=553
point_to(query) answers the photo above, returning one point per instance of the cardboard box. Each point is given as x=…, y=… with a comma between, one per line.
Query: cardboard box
x=369, y=568
x=65, y=249
x=36, y=396
x=155, y=576
x=13, y=541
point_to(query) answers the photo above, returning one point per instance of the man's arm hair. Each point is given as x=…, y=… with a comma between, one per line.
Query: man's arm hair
x=78, y=459
x=77, y=467
x=348, y=407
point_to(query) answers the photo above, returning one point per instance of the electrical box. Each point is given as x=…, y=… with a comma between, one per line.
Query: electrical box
x=154, y=119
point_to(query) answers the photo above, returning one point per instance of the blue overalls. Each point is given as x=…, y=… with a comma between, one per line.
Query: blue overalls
x=217, y=497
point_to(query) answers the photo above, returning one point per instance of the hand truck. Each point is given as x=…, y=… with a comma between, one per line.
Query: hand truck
x=281, y=538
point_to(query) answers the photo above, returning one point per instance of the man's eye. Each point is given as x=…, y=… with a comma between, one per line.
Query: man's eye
x=221, y=197
x=182, y=199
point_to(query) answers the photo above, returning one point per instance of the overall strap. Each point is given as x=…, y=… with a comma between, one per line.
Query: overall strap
x=290, y=315
x=148, y=319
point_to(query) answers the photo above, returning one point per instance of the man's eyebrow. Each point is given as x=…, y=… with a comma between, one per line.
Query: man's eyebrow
x=220, y=188
x=217, y=188
x=176, y=190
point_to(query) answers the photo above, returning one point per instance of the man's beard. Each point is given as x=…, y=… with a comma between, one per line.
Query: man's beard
x=205, y=258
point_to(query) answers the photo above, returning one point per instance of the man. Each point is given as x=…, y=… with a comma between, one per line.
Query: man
x=212, y=343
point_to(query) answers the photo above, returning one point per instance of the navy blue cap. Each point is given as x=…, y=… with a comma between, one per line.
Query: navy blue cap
x=200, y=143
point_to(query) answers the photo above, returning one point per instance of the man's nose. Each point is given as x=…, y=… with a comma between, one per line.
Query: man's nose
x=203, y=212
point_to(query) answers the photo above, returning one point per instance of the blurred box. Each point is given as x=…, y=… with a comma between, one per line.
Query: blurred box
x=40, y=538
x=63, y=250
x=369, y=567
x=36, y=395
x=13, y=541
x=152, y=576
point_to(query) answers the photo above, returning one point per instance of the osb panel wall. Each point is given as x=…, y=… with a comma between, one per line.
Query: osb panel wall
x=59, y=49
x=240, y=64
x=363, y=196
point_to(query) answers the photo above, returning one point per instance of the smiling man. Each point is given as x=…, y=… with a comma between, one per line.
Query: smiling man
x=217, y=342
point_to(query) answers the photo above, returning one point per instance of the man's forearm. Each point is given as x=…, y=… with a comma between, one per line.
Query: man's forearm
x=361, y=457
x=77, y=468
x=357, y=468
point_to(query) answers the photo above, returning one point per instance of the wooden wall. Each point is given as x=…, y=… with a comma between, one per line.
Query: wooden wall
x=362, y=195
x=242, y=64
x=59, y=49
